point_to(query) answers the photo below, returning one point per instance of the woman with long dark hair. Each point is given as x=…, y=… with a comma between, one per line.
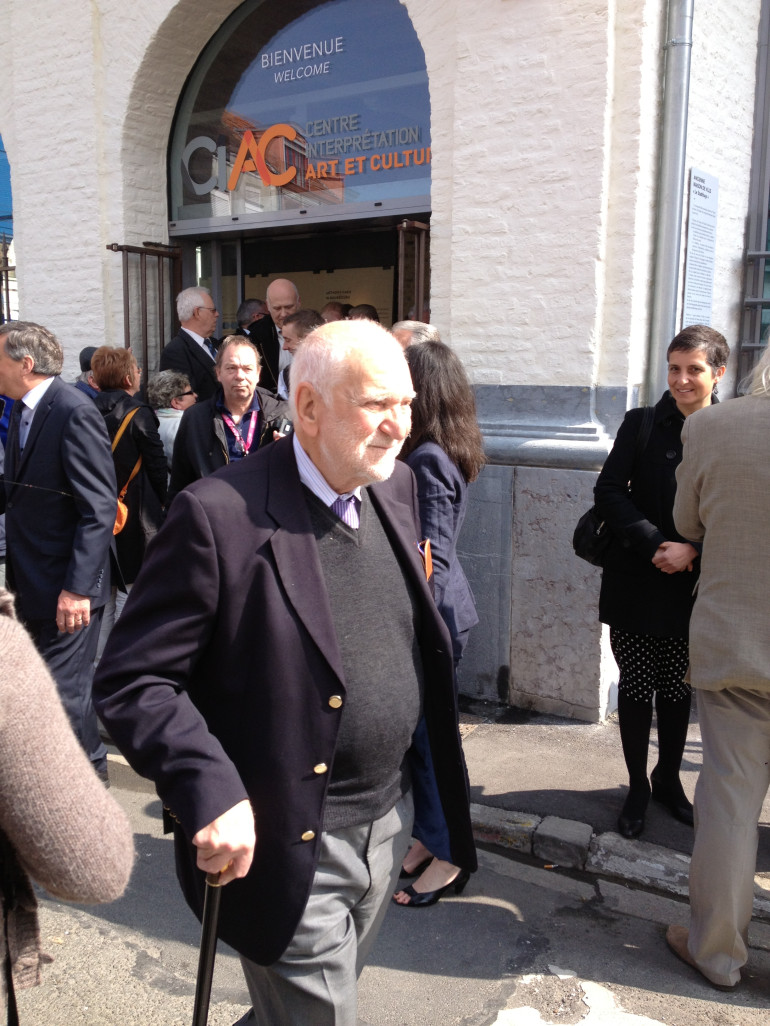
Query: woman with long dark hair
x=446, y=452
x=650, y=573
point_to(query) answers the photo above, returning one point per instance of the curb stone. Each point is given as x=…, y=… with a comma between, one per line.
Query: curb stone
x=608, y=855
x=564, y=842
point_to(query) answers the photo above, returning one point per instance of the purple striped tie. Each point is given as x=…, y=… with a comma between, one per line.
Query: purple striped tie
x=347, y=511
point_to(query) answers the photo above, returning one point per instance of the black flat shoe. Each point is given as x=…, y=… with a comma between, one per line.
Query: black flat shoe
x=673, y=798
x=631, y=818
x=418, y=900
x=406, y=875
x=630, y=828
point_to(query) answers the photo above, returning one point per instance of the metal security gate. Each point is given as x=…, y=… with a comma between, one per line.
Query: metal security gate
x=755, y=316
x=152, y=277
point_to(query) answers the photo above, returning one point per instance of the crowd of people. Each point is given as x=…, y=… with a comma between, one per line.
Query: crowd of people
x=272, y=491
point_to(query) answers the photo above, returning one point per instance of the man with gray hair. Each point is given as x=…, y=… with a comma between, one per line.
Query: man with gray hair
x=59, y=496
x=248, y=316
x=193, y=350
x=255, y=679
x=722, y=501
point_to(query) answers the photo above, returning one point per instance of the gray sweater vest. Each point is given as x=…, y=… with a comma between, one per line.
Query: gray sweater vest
x=376, y=618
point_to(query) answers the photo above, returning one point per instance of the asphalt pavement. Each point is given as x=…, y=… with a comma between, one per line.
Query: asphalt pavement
x=552, y=788
x=563, y=923
x=530, y=941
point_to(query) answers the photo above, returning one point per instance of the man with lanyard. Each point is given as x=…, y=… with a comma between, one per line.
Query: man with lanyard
x=238, y=419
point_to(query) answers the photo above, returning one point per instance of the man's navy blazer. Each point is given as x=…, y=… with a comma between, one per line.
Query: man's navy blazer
x=185, y=355
x=264, y=335
x=223, y=678
x=60, y=498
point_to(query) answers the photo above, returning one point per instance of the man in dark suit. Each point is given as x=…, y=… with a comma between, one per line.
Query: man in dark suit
x=193, y=350
x=59, y=496
x=282, y=299
x=270, y=670
x=248, y=316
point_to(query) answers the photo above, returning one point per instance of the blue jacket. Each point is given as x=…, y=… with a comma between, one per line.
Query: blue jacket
x=443, y=496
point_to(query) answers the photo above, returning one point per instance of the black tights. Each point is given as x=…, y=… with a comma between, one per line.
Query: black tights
x=635, y=719
x=651, y=666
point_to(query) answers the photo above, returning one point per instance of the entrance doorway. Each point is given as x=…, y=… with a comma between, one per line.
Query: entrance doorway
x=385, y=263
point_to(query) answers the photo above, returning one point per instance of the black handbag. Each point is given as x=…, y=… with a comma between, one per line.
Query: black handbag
x=593, y=536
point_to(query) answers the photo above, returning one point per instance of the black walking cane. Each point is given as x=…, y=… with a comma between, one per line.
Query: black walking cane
x=208, y=949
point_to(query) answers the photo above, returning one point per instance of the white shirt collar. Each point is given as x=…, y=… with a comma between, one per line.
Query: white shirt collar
x=198, y=338
x=312, y=478
x=35, y=394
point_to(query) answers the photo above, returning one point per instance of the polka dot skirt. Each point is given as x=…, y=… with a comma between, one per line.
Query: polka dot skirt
x=648, y=664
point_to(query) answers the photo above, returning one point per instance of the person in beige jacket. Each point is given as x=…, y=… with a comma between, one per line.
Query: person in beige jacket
x=723, y=501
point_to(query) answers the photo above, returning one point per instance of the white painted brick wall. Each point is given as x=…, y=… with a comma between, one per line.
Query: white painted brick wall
x=719, y=141
x=544, y=152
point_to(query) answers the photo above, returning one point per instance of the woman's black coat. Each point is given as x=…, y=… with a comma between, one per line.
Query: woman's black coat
x=146, y=494
x=635, y=496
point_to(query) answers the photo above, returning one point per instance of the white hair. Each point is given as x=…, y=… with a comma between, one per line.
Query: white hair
x=326, y=352
x=188, y=300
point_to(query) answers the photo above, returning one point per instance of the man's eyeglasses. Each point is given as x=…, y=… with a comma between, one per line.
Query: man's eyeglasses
x=183, y=394
x=211, y=309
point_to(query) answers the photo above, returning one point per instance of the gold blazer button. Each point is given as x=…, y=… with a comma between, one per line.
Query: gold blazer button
x=335, y=701
x=308, y=835
x=320, y=768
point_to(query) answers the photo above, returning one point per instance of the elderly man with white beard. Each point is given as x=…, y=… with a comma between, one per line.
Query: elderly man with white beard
x=269, y=673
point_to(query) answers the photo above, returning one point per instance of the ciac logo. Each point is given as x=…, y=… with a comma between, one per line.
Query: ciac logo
x=251, y=157
x=252, y=154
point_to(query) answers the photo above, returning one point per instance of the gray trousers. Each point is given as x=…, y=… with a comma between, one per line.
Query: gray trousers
x=735, y=729
x=314, y=981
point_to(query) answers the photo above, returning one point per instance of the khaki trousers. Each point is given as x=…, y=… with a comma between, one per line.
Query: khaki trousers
x=735, y=729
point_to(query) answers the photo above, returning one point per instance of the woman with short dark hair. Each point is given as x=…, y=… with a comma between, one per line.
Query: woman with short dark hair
x=649, y=575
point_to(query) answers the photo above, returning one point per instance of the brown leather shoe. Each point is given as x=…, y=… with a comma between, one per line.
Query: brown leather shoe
x=676, y=938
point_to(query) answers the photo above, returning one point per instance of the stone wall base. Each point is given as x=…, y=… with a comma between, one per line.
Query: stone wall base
x=539, y=644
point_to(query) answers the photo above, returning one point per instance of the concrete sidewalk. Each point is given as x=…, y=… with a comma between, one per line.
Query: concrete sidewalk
x=552, y=788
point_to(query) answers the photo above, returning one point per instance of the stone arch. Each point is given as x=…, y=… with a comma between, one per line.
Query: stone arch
x=150, y=106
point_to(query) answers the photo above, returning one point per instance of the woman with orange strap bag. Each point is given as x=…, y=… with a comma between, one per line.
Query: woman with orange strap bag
x=140, y=466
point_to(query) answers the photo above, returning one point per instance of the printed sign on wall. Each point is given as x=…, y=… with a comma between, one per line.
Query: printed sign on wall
x=701, y=248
